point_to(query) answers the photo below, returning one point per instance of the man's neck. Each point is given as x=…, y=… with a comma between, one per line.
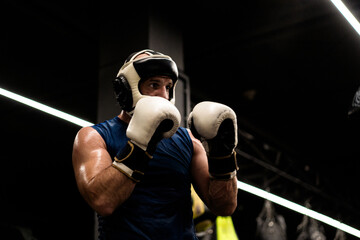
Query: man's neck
x=124, y=116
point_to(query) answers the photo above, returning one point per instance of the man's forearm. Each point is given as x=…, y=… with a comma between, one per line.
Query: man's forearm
x=107, y=190
x=223, y=196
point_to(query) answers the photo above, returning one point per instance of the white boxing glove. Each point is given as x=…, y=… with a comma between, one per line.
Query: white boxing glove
x=215, y=125
x=149, y=114
x=154, y=118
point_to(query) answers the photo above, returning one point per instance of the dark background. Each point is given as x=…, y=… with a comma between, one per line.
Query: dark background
x=288, y=68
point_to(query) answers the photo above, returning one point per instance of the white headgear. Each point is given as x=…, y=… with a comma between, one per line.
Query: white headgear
x=126, y=84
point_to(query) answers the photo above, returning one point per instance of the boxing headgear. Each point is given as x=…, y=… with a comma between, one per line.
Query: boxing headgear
x=126, y=84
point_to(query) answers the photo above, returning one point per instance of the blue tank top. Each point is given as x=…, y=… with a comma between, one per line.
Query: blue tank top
x=160, y=205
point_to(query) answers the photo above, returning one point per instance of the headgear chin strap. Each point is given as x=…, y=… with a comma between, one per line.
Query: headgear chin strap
x=126, y=84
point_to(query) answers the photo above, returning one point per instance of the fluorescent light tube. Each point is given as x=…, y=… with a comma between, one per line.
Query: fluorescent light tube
x=44, y=108
x=347, y=14
x=298, y=208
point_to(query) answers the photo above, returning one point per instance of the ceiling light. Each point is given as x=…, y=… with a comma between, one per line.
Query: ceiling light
x=347, y=14
x=298, y=208
x=44, y=108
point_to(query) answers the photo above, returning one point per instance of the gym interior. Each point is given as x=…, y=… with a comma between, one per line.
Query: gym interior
x=289, y=69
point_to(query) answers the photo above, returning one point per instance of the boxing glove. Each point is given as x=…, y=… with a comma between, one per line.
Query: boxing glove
x=154, y=118
x=216, y=126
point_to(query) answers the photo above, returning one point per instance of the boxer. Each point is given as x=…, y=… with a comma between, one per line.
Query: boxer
x=136, y=169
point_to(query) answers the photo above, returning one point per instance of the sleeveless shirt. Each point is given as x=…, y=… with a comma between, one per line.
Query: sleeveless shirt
x=160, y=205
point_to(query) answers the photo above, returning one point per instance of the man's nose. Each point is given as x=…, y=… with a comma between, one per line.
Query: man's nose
x=163, y=92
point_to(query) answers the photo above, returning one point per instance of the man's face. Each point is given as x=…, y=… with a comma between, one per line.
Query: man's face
x=156, y=86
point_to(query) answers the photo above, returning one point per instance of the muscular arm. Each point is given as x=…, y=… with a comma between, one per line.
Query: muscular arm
x=219, y=196
x=101, y=185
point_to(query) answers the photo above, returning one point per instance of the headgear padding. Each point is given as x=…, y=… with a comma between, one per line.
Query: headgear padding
x=126, y=84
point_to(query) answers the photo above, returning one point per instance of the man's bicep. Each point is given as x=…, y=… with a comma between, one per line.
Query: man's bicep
x=89, y=155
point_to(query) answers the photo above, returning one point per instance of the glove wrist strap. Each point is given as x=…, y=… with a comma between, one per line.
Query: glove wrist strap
x=224, y=167
x=132, y=161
